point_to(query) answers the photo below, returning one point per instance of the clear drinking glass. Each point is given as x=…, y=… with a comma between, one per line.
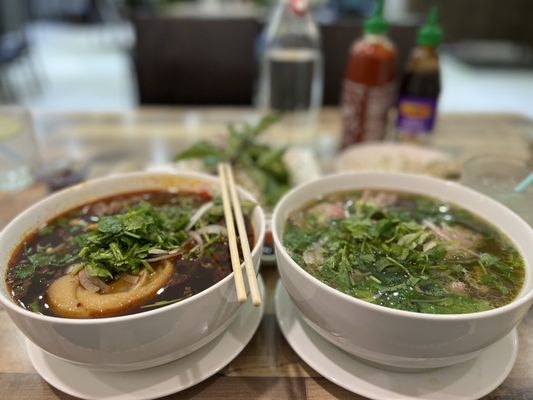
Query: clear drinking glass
x=290, y=81
x=497, y=177
x=18, y=149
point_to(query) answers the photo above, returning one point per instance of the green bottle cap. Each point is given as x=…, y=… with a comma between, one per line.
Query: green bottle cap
x=430, y=34
x=376, y=23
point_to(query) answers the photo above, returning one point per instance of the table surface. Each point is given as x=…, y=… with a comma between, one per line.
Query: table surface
x=267, y=368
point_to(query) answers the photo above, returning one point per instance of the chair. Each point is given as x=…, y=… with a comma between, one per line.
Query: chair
x=195, y=61
x=14, y=45
x=211, y=61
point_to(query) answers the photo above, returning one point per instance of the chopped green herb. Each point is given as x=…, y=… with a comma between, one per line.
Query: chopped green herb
x=411, y=252
x=23, y=271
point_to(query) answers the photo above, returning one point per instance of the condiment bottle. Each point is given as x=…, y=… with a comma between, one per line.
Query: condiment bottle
x=368, y=87
x=290, y=82
x=420, y=86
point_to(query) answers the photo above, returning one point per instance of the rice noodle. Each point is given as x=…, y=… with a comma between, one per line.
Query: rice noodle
x=198, y=214
x=212, y=230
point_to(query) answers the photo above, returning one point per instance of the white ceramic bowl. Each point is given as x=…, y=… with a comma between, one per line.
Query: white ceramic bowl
x=133, y=341
x=394, y=338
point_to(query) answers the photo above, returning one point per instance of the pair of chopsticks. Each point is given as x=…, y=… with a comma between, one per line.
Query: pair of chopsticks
x=229, y=199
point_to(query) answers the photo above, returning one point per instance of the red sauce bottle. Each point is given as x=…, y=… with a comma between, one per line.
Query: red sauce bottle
x=368, y=88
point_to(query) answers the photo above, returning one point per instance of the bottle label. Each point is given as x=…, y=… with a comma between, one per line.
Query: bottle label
x=364, y=111
x=416, y=115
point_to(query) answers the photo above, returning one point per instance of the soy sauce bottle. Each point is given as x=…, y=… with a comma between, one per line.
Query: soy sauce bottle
x=420, y=86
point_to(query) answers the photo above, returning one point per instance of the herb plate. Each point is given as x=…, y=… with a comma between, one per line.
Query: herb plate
x=468, y=380
x=152, y=382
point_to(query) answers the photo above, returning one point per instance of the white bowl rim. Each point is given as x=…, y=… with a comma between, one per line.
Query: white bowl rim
x=6, y=301
x=515, y=303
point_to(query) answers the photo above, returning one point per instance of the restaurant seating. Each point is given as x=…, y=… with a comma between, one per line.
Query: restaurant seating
x=213, y=61
x=15, y=48
x=195, y=61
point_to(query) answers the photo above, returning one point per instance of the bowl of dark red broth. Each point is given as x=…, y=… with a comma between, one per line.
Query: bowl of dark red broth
x=401, y=270
x=124, y=272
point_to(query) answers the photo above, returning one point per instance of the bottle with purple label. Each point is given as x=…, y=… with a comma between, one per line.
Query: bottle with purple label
x=420, y=86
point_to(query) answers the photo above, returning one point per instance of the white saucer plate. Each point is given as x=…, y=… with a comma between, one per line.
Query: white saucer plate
x=469, y=380
x=152, y=382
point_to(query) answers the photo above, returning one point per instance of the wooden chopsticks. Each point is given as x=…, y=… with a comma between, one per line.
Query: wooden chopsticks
x=230, y=198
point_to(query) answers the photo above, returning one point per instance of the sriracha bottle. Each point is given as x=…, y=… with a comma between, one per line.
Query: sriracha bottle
x=368, y=87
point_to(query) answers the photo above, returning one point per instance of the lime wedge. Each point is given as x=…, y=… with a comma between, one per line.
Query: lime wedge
x=9, y=127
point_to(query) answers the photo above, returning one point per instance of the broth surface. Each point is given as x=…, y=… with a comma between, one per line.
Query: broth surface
x=405, y=251
x=84, y=239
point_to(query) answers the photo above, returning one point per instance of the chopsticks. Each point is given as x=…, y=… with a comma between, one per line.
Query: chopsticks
x=230, y=198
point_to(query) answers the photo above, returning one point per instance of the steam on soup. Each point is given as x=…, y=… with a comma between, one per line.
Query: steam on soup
x=123, y=255
x=405, y=251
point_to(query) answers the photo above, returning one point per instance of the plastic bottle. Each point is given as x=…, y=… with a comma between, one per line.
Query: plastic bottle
x=368, y=88
x=290, y=81
x=420, y=87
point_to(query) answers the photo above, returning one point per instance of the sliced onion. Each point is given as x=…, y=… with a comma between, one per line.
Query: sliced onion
x=75, y=268
x=96, y=281
x=428, y=246
x=198, y=214
x=90, y=227
x=198, y=239
x=407, y=238
x=142, y=279
x=133, y=279
x=157, y=251
x=213, y=230
x=443, y=233
x=437, y=231
x=86, y=282
x=164, y=257
x=423, y=237
x=313, y=255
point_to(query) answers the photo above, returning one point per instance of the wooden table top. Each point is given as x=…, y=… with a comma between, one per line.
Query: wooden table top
x=267, y=368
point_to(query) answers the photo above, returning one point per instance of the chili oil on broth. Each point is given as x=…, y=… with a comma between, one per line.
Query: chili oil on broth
x=405, y=251
x=46, y=255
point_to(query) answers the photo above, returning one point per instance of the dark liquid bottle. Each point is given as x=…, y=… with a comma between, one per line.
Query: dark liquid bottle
x=420, y=86
x=421, y=83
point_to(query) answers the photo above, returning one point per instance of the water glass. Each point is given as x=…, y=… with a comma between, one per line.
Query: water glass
x=18, y=149
x=497, y=177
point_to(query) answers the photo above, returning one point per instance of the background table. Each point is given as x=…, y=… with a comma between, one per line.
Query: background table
x=267, y=368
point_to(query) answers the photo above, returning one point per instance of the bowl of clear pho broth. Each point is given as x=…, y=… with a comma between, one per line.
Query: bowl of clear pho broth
x=401, y=270
x=124, y=272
